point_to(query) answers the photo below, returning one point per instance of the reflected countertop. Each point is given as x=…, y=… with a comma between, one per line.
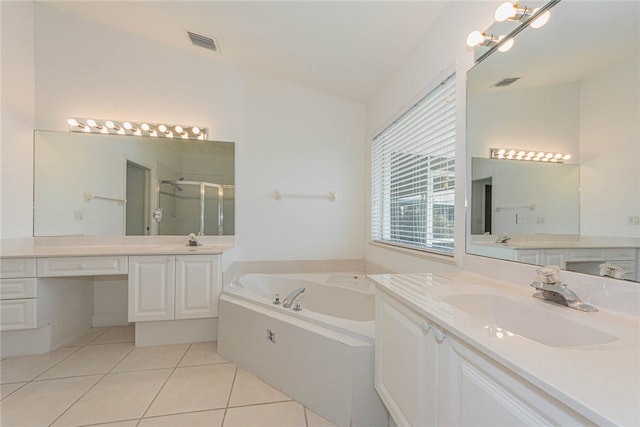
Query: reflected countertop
x=600, y=381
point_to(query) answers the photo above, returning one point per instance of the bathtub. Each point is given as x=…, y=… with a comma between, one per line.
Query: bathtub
x=341, y=302
x=322, y=355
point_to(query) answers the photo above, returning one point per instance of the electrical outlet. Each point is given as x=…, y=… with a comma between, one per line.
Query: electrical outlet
x=78, y=215
x=540, y=220
x=633, y=220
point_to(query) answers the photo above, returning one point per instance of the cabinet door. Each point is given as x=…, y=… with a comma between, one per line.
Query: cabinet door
x=405, y=364
x=529, y=256
x=197, y=286
x=479, y=392
x=151, y=288
x=555, y=257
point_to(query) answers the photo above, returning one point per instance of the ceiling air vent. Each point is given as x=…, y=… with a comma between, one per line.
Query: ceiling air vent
x=203, y=41
x=506, y=82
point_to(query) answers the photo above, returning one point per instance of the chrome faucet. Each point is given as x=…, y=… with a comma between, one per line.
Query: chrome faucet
x=550, y=288
x=193, y=241
x=288, y=301
x=503, y=238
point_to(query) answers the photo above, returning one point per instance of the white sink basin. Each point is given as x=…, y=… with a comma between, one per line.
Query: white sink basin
x=506, y=317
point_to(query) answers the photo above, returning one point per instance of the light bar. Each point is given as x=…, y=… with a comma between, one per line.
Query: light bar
x=115, y=127
x=528, y=155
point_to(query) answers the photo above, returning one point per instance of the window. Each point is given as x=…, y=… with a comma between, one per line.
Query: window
x=413, y=175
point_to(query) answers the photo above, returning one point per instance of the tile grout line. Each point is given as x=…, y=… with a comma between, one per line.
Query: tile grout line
x=226, y=408
x=164, y=384
x=94, y=385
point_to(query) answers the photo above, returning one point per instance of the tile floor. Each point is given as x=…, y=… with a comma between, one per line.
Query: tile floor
x=103, y=379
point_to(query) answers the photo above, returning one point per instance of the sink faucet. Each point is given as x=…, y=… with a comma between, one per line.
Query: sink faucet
x=551, y=289
x=503, y=238
x=288, y=301
x=193, y=241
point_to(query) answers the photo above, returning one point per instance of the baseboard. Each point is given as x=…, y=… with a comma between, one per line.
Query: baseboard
x=110, y=319
x=176, y=331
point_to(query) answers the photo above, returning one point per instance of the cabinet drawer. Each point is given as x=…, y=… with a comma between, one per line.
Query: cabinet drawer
x=82, y=266
x=17, y=267
x=18, y=288
x=620, y=254
x=586, y=255
x=18, y=314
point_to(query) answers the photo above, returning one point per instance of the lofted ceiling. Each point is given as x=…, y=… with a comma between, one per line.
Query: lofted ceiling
x=345, y=48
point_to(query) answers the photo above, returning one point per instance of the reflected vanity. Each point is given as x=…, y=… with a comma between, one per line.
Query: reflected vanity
x=114, y=185
x=571, y=87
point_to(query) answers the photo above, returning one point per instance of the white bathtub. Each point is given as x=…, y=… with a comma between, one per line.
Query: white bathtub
x=341, y=302
x=322, y=356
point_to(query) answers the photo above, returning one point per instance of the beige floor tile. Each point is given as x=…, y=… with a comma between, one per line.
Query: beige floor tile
x=202, y=353
x=39, y=403
x=90, y=360
x=154, y=357
x=117, y=334
x=89, y=336
x=25, y=368
x=315, y=420
x=117, y=397
x=129, y=423
x=195, y=388
x=7, y=389
x=190, y=419
x=283, y=414
x=250, y=390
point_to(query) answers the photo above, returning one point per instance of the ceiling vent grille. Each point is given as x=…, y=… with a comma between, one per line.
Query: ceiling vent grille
x=203, y=41
x=506, y=82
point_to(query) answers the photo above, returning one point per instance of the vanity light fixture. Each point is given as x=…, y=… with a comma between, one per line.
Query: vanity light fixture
x=514, y=12
x=138, y=129
x=519, y=154
x=477, y=38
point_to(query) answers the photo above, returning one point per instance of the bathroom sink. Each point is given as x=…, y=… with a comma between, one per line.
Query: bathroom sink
x=506, y=317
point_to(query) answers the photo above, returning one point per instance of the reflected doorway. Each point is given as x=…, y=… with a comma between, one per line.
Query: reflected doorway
x=137, y=206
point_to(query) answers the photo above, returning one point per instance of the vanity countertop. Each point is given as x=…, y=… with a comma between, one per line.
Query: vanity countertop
x=600, y=381
x=557, y=242
x=112, y=250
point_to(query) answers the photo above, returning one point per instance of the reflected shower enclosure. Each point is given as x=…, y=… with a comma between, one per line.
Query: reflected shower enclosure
x=195, y=206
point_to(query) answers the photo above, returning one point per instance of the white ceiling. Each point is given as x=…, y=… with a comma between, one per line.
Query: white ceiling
x=346, y=48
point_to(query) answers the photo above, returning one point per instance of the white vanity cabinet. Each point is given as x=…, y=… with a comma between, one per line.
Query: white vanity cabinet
x=18, y=294
x=406, y=363
x=428, y=377
x=168, y=287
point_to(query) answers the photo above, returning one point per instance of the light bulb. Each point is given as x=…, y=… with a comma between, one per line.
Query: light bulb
x=566, y=157
x=558, y=156
x=127, y=126
x=73, y=122
x=502, y=151
x=195, y=130
x=520, y=153
x=505, y=11
x=162, y=128
x=531, y=154
x=92, y=123
x=512, y=152
x=145, y=127
x=178, y=128
x=506, y=46
x=548, y=155
x=109, y=124
x=540, y=154
x=475, y=38
x=540, y=20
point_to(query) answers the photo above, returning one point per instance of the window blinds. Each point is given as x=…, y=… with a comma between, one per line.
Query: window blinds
x=413, y=175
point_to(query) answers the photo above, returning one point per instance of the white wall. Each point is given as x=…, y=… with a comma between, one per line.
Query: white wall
x=16, y=118
x=287, y=136
x=610, y=150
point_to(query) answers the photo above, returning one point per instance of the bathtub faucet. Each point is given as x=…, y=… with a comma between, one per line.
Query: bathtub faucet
x=288, y=301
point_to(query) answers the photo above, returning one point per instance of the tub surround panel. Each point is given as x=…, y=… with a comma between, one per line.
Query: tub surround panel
x=329, y=372
x=580, y=377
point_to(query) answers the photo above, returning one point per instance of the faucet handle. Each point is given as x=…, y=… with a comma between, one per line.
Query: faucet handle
x=549, y=274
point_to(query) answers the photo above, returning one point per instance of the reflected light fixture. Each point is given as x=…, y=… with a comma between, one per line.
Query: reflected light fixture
x=508, y=11
x=114, y=127
x=528, y=155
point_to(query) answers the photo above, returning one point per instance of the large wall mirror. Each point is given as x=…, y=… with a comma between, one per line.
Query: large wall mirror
x=106, y=185
x=572, y=86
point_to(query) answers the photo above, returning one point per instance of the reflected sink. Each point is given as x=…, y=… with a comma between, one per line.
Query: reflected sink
x=509, y=317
